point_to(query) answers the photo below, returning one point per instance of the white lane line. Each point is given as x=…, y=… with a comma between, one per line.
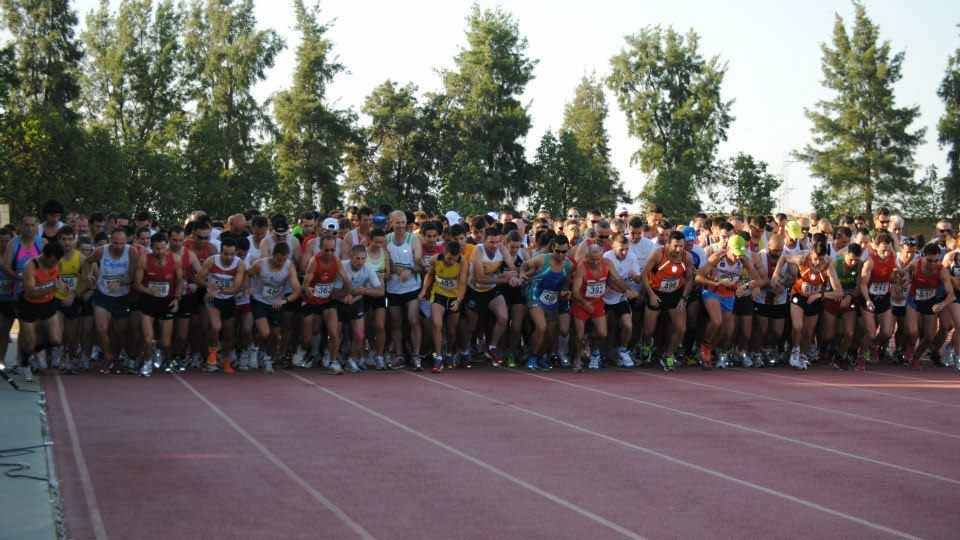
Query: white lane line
x=845, y=386
x=749, y=429
x=96, y=519
x=797, y=403
x=677, y=461
x=952, y=381
x=478, y=462
x=278, y=463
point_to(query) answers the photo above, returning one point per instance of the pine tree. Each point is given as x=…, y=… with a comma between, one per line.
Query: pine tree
x=313, y=135
x=862, y=144
x=949, y=131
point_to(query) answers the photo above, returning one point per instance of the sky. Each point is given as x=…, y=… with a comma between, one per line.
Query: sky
x=772, y=49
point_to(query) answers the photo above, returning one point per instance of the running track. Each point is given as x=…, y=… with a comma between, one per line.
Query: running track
x=497, y=454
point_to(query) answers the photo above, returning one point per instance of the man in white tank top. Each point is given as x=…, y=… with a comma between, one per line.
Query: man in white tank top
x=111, y=303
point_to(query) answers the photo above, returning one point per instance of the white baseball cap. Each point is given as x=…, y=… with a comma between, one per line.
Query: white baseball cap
x=453, y=217
x=622, y=210
x=331, y=224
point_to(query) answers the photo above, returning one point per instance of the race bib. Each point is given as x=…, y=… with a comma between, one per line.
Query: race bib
x=270, y=293
x=810, y=288
x=323, y=290
x=670, y=285
x=548, y=298
x=159, y=288
x=879, y=289
x=222, y=283
x=925, y=294
x=596, y=289
x=113, y=284
x=448, y=284
x=70, y=281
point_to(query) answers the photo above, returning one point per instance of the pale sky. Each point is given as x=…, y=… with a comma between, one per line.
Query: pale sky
x=772, y=48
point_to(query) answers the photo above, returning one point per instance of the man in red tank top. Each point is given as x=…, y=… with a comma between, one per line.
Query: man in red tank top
x=590, y=280
x=159, y=279
x=875, y=285
x=324, y=282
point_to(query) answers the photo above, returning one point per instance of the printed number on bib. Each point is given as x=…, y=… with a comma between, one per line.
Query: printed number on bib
x=595, y=289
x=925, y=294
x=448, y=284
x=113, y=284
x=669, y=285
x=159, y=288
x=879, y=289
x=323, y=290
x=70, y=281
x=548, y=298
x=271, y=293
x=810, y=288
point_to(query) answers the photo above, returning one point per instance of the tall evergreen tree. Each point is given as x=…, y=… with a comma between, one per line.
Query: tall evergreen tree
x=949, y=132
x=40, y=141
x=225, y=57
x=391, y=164
x=584, y=118
x=746, y=186
x=862, y=143
x=313, y=135
x=671, y=96
x=482, y=163
x=563, y=175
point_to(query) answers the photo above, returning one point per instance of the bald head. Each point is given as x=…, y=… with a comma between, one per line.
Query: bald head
x=237, y=224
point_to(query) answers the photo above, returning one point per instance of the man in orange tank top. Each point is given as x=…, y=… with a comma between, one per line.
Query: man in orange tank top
x=37, y=306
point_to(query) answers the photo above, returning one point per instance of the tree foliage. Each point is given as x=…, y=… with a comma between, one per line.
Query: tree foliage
x=949, y=131
x=746, y=186
x=313, y=135
x=671, y=96
x=862, y=143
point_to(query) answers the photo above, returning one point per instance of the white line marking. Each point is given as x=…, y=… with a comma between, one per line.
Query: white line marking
x=478, y=462
x=789, y=402
x=955, y=382
x=749, y=429
x=677, y=461
x=845, y=386
x=96, y=520
x=277, y=462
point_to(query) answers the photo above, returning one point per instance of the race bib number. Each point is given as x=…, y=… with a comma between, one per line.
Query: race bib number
x=810, y=288
x=113, y=284
x=670, y=285
x=324, y=290
x=925, y=294
x=448, y=284
x=70, y=281
x=6, y=288
x=596, y=289
x=159, y=288
x=270, y=293
x=879, y=289
x=548, y=298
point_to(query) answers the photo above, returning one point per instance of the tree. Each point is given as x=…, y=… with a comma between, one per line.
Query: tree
x=562, y=176
x=925, y=197
x=40, y=140
x=584, y=119
x=313, y=136
x=862, y=144
x=480, y=160
x=746, y=185
x=391, y=164
x=949, y=131
x=225, y=56
x=671, y=96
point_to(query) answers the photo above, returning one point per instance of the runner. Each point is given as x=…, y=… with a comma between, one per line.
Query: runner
x=514, y=296
x=111, y=301
x=549, y=276
x=617, y=307
x=589, y=286
x=770, y=303
x=379, y=261
x=70, y=305
x=876, y=277
x=403, y=288
x=321, y=292
x=844, y=311
x=930, y=290
x=224, y=275
x=446, y=285
x=269, y=278
x=364, y=283
x=37, y=307
x=8, y=299
x=159, y=280
x=484, y=296
x=668, y=280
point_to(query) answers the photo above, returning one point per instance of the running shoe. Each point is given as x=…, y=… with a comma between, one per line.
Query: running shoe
x=532, y=363
x=594, y=360
x=437, y=363
x=544, y=363
x=227, y=368
x=668, y=363
x=706, y=357
x=327, y=361
x=746, y=360
x=577, y=364
x=949, y=357
x=494, y=357
x=417, y=366
x=450, y=361
x=27, y=373
x=267, y=364
x=147, y=368
x=625, y=361
x=723, y=361
x=380, y=363
x=336, y=368
x=298, y=357
x=511, y=363
x=244, y=364
x=352, y=366
x=466, y=360
x=804, y=362
x=564, y=360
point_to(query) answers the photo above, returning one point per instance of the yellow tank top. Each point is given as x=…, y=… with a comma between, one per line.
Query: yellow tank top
x=69, y=272
x=445, y=279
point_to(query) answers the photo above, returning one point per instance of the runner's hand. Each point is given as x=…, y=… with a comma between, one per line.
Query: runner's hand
x=654, y=301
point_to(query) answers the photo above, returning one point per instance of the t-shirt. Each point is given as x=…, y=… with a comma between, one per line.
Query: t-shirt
x=364, y=277
x=627, y=267
x=642, y=250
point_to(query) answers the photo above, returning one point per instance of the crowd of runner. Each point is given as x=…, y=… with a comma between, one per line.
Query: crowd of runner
x=382, y=289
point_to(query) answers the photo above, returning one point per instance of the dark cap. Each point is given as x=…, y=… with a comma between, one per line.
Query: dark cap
x=279, y=223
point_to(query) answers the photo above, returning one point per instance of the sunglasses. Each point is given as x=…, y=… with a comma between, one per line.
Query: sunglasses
x=623, y=215
x=573, y=216
x=594, y=221
x=910, y=242
x=806, y=230
x=603, y=236
x=330, y=250
x=207, y=237
x=944, y=231
x=561, y=251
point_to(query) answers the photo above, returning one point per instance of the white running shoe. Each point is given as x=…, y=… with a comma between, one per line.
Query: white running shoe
x=564, y=359
x=41, y=357
x=244, y=363
x=594, y=360
x=26, y=373
x=804, y=361
x=746, y=360
x=336, y=368
x=147, y=368
x=795, y=358
x=267, y=364
x=625, y=360
x=381, y=365
x=297, y=359
x=326, y=360
x=723, y=360
x=352, y=365
x=252, y=354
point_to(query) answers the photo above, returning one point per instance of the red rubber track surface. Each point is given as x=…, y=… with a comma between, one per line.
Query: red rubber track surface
x=497, y=454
